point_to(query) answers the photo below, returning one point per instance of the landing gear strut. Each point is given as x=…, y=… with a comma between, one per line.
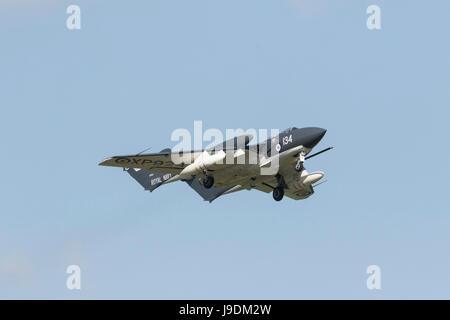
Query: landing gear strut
x=208, y=181
x=278, y=193
x=301, y=159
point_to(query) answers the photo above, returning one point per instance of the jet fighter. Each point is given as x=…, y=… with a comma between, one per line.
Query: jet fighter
x=275, y=165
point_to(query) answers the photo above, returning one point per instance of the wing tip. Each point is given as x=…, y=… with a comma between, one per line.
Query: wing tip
x=104, y=162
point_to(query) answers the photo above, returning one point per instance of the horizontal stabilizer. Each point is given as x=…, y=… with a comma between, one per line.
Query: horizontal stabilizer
x=149, y=180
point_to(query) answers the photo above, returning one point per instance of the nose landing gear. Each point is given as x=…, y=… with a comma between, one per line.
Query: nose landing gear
x=301, y=159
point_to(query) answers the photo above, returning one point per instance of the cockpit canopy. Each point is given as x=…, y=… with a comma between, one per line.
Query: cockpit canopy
x=289, y=129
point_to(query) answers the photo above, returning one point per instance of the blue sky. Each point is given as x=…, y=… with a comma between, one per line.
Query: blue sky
x=137, y=71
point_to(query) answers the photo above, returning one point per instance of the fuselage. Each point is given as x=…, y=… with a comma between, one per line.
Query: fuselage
x=293, y=137
x=286, y=145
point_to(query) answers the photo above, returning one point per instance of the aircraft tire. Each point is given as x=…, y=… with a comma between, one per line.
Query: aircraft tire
x=208, y=182
x=278, y=193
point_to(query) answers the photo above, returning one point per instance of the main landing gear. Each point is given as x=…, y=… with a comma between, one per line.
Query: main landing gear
x=278, y=193
x=208, y=181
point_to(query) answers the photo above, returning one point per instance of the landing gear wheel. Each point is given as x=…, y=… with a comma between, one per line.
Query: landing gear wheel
x=278, y=193
x=208, y=181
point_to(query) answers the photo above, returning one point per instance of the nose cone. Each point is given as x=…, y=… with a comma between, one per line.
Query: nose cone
x=309, y=137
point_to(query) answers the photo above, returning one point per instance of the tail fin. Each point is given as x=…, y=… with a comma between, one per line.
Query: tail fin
x=207, y=194
x=149, y=180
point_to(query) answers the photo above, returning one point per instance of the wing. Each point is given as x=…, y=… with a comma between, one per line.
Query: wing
x=154, y=162
x=174, y=162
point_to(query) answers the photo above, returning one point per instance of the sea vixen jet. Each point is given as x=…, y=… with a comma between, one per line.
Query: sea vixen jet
x=276, y=166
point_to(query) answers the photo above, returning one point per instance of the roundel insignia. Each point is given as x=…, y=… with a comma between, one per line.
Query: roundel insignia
x=122, y=160
x=278, y=147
